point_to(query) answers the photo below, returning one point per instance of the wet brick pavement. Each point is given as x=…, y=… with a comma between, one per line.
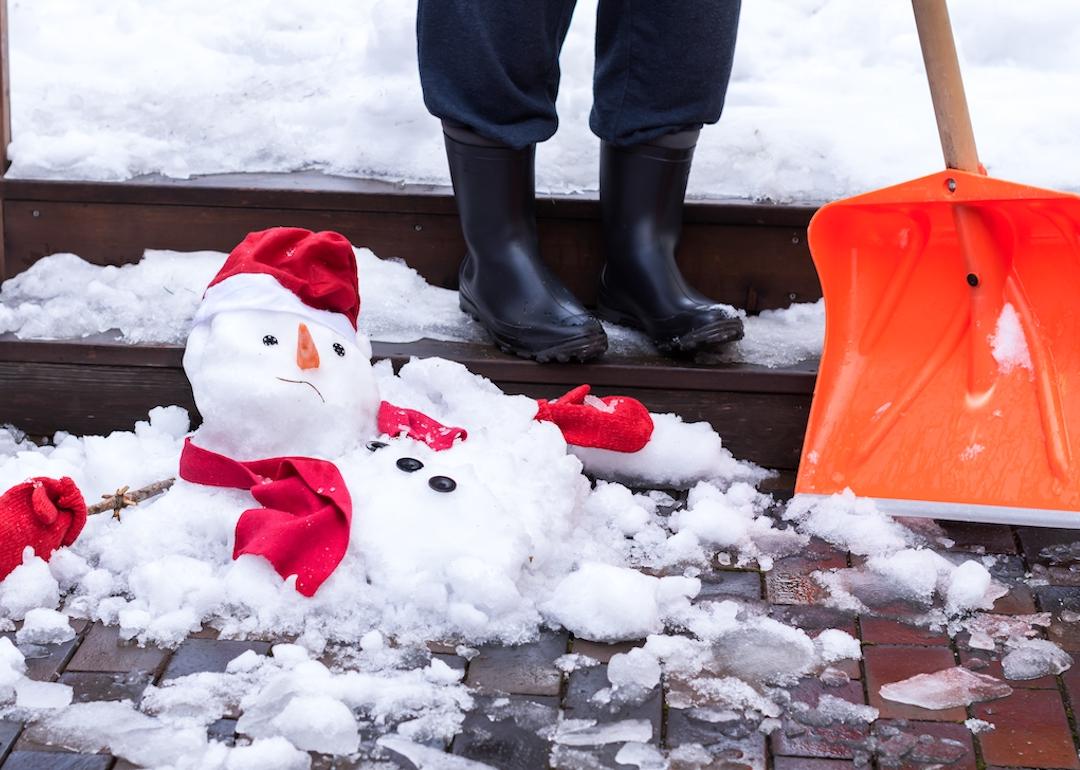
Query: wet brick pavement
x=521, y=692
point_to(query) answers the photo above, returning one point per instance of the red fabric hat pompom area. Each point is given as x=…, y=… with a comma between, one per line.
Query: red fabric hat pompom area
x=289, y=269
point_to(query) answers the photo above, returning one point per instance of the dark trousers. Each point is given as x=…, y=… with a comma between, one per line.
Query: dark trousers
x=662, y=66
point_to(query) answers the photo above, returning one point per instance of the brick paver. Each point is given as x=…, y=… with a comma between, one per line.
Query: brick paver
x=528, y=669
x=521, y=694
x=886, y=664
x=1031, y=731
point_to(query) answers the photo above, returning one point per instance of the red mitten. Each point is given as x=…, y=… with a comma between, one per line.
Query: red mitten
x=616, y=423
x=396, y=420
x=43, y=513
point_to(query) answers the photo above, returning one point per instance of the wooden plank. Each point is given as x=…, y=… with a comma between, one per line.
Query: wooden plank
x=42, y=398
x=314, y=190
x=747, y=265
x=612, y=371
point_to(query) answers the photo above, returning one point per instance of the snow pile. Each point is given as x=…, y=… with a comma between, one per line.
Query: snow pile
x=947, y=688
x=917, y=576
x=818, y=92
x=30, y=696
x=62, y=296
x=776, y=338
x=522, y=526
x=606, y=603
x=290, y=703
x=1009, y=345
x=729, y=520
x=849, y=522
x=900, y=566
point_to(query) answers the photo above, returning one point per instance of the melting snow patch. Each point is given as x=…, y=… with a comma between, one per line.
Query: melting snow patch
x=1008, y=341
x=947, y=688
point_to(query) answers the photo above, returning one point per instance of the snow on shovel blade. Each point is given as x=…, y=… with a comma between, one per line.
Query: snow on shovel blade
x=945, y=689
x=949, y=383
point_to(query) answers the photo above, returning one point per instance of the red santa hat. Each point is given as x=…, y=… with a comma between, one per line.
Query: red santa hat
x=289, y=270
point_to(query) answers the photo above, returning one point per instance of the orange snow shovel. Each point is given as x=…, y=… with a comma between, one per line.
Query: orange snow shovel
x=949, y=383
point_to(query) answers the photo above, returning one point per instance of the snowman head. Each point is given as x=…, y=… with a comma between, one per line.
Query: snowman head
x=275, y=362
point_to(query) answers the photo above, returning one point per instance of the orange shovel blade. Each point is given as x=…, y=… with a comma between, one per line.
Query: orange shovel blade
x=949, y=384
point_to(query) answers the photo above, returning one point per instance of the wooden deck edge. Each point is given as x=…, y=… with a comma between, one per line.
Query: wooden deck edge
x=612, y=371
x=317, y=191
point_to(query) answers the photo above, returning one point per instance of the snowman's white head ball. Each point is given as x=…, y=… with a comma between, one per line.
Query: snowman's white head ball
x=271, y=384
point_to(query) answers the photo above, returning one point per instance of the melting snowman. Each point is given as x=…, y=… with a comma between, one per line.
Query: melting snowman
x=286, y=388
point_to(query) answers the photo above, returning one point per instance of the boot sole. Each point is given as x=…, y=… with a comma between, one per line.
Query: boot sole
x=581, y=349
x=705, y=337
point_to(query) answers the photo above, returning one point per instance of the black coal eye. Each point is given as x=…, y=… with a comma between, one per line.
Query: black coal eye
x=339, y=349
x=442, y=483
x=269, y=340
x=374, y=446
x=409, y=464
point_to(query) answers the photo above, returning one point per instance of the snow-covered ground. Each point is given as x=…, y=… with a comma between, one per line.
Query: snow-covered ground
x=524, y=543
x=828, y=96
x=63, y=296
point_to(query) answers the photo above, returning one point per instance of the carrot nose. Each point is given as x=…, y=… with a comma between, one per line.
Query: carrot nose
x=307, y=355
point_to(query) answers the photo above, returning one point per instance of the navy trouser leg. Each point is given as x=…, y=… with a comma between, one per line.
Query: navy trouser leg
x=493, y=65
x=662, y=66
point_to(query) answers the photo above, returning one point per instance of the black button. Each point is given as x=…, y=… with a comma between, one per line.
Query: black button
x=442, y=483
x=269, y=340
x=409, y=464
x=375, y=445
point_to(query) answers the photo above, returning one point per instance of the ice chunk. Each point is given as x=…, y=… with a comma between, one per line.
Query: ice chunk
x=978, y=726
x=427, y=758
x=986, y=629
x=44, y=626
x=586, y=732
x=318, y=723
x=946, y=688
x=1033, y=658
x=641, y=755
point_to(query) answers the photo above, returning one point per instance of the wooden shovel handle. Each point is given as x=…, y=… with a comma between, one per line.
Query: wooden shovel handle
x=946, y=85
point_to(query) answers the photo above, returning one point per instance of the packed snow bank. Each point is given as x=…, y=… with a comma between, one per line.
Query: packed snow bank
x=64, y=297
x=819, y=90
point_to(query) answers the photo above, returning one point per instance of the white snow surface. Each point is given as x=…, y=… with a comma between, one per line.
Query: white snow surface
x=1008, y=343
x=828, y=97
x=63, y=296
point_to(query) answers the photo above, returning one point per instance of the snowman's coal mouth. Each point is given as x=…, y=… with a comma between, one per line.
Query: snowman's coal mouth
x=304, y=382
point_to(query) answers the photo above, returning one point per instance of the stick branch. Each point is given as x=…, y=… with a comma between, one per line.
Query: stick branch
x=122, y=499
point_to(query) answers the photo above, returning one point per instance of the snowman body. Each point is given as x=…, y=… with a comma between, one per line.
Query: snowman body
x=271, y=384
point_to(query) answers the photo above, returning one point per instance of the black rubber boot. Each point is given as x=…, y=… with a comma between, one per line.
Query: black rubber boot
x=504, y=284
x=641, y=195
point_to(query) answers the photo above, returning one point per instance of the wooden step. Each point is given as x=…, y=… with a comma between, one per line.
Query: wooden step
x=752, y=255
x=98, y=384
